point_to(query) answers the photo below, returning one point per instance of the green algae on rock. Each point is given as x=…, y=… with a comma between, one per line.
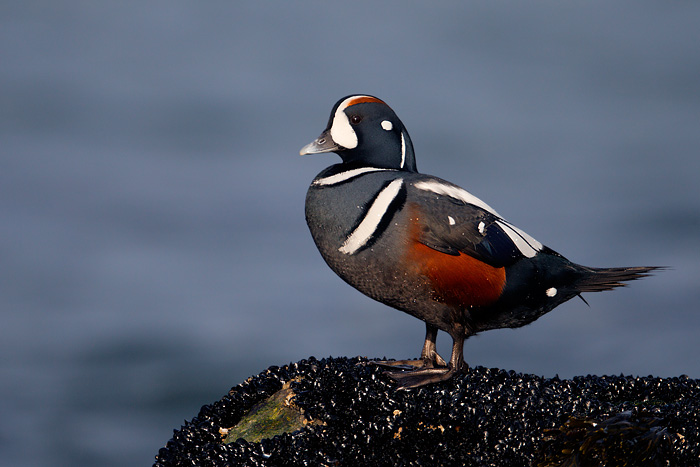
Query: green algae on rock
x=274, y=416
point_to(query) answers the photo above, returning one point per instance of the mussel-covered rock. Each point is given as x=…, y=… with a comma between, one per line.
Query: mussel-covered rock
x=347, y=412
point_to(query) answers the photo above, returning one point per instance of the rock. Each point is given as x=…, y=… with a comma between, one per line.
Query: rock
x=486, y=417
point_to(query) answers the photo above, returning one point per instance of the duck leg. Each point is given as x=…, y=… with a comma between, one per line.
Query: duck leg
x=429, y=358
x=423, y=376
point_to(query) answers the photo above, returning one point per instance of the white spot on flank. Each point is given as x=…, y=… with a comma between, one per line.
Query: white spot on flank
x=347, y=175
x=551, y=292
x=359, y=237
x=451, y=220
x=482, y=226
x=341, y=131
x=386, y=124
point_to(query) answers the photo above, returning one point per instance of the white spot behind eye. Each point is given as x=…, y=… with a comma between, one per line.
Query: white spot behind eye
x=386, y=124
x=551, y=292
x=481, y=227
x=451, y=220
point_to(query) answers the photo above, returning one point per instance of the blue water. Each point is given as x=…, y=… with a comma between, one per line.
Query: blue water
x=153, y=247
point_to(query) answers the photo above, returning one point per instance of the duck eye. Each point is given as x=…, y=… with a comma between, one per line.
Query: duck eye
x=355, y=119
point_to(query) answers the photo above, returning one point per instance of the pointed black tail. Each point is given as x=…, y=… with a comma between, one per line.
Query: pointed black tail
x=599, y=279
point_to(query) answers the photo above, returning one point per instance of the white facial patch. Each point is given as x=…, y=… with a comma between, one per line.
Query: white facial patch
x=451, y=220
x=482, y=226
x=376, y=212
x=386, y=124
x=341, y=130
x=551, y=292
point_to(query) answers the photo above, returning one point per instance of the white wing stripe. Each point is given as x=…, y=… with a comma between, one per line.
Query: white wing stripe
x=359, y=237
x=527, y=245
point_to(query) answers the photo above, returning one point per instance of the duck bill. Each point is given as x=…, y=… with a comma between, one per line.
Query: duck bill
x=323, y=143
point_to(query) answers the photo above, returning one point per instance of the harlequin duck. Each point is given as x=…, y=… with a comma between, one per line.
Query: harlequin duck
x=427, y=247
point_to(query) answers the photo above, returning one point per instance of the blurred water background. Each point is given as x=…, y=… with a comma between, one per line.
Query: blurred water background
x=153, y=249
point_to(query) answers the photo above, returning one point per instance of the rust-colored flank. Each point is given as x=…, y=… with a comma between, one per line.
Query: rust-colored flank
x=460, y=281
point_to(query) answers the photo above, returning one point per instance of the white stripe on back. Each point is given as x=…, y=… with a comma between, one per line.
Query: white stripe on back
x=454, y=192
x=361, y=235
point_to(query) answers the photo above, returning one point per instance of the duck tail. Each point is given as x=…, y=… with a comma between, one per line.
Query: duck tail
x=600, y=279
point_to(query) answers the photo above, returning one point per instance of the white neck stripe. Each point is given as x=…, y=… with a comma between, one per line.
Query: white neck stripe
x=361, y=235
x=347, y=175
x=403, y=150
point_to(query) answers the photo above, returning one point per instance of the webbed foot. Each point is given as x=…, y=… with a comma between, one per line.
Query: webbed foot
x=421, y=377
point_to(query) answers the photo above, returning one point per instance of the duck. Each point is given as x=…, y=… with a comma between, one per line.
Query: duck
x=427, y=247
